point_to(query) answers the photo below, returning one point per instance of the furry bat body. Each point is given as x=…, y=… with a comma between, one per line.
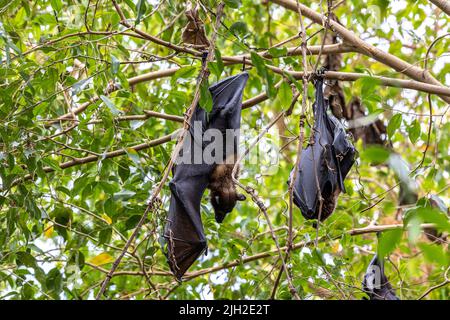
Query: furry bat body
x=223, y=190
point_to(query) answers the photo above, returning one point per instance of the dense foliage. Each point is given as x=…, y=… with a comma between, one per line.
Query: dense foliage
x=68, y=205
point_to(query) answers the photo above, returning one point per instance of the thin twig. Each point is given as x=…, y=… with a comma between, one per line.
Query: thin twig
x=261, y=205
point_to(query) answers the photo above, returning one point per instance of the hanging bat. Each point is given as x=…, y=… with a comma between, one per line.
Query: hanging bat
x=375, y=282
x=324, y=163
x=184, y=235
x=194, y=32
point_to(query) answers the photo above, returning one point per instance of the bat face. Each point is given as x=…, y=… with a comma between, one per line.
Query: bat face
x=223, y=191
x=224, y=202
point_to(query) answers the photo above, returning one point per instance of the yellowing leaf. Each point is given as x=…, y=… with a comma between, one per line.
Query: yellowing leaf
x=48, y=232
x=336, y=247
x=106, y=218
x=101, y=259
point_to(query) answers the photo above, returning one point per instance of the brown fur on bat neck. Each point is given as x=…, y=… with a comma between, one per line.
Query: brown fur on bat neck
x=224, y=195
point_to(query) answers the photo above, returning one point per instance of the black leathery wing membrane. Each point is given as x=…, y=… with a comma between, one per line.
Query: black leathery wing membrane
x=375, y=282
x=184, y=237
x=324, y=163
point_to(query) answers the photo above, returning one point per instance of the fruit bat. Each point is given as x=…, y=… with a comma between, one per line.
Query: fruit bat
x=324, y=163
x=375, y=282
x=194, y=32
x=184, y=236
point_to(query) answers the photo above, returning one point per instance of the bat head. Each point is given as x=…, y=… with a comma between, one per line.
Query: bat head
x=223, y=202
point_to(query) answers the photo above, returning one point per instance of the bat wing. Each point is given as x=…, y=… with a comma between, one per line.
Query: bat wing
x=317, y=170
x=226, y=113
x=375, y=282
x=342, y=147
x=184, y=232
x=324, y=163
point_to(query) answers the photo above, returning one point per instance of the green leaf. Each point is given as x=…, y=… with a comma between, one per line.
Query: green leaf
x=217, y=66
x=388, y=241
x=132, y=222
x=262, y=71
x=368, y=85
x=235, y=4
x=26, y=259
x=434, y=253
x=375, y=154
x=285, y=94
x=27, y=291
x=110, y=105
x=52, y=164
x=123, y=170
x=259, y=64
x=414, y=131
x=414, y=229
x=278, y=52
x=219, y=61
x=394, y=124
x=134, y=156
x=123, y=195
x=105, y=235
x=54, y=282
x=436, y=216
x=140, y=9
x=214, y=68
x=56, y=5
x=115, y=63
x=184, y=73
x=205, y=97
x=239, y=29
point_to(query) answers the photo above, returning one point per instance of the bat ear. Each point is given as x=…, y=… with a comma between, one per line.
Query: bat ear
x=241, y=197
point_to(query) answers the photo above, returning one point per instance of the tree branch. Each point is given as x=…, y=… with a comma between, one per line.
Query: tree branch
x=152, y=38
x=93, y=158
x=444, y=5
x=261, y=255
x=297, y=246
x=342, y=76
x=388, y=59
x=228, y=61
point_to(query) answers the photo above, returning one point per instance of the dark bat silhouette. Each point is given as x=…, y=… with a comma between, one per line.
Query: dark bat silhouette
x=324, y=163
x=375, y=282
x=184, y=234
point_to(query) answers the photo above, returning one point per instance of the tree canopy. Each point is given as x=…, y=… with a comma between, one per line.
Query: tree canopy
x=94, y=92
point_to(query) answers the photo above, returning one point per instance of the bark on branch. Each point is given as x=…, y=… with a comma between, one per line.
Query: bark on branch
x=228, y=61
x=444, y=5
x=267, y=254
x=108, y=155
x=388, y=59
